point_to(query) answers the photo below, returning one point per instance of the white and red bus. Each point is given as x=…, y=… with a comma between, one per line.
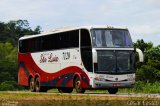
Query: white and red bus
x=89, y=57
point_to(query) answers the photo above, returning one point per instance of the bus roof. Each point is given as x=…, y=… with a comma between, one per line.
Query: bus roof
x=65, y=29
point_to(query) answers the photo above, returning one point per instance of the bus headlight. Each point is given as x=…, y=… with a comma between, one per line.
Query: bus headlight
x=130, y=77
x=99, y=78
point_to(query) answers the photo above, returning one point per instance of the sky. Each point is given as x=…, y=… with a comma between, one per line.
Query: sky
x=141, y=17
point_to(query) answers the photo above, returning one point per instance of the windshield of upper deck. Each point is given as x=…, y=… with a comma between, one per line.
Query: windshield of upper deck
x=111, y=38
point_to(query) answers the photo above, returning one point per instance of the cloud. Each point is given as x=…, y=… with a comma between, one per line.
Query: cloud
x=142, y=17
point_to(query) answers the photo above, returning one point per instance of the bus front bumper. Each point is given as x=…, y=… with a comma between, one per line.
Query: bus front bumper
x=109, y=84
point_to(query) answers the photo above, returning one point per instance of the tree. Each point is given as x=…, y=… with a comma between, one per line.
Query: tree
x=13, y=30
x=150, y=70
x=144, y=46
x=8, y=62
x=9, y=35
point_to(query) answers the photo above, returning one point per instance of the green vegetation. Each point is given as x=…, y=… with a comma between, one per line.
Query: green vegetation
x=141, y=87
x=9, y=35
x=13, y=30
x=147, y=73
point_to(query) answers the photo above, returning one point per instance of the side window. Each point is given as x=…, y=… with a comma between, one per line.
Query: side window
x=56, y=41
x=37, y=44
x=26, y=45
x=22, y=46
x=86, y=50
x=85, y=38
x=48, y=42
x=42, y=44
x=30, y=43
x=74, y=38
x=69, y=39
x=64, y=40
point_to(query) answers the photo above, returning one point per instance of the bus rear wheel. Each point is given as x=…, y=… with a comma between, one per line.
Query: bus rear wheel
x=37, y=85
x=65, y=90
x=78, y=86
x=113, y=90
x=38, y=88
x=31, y=85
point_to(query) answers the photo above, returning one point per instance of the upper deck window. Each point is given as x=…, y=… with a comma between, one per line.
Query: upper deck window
x=111, y=38
x=63, y=40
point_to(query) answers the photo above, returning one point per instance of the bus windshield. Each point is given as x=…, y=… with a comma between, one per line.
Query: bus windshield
x=111, y=38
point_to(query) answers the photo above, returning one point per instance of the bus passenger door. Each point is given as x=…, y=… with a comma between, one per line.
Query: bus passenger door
x=86, y=50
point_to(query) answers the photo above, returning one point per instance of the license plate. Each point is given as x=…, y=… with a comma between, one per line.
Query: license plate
x=116, y=85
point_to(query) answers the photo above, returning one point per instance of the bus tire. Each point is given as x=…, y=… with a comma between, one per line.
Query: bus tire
x=113, y=90
x=37, y=84
x=65, y=90
x=31, y=85
x=78, y=86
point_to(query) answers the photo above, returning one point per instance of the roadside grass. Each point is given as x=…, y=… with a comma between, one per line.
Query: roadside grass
x=141, y=87
x=91, y=98
x=53, y=99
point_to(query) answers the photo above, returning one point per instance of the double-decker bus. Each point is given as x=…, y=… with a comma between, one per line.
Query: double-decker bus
x=87, y=57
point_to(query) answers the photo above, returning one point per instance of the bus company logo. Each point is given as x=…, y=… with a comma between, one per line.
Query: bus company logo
x=52, y=58
x=49, y=58
x=43, y=59
x=66, y=55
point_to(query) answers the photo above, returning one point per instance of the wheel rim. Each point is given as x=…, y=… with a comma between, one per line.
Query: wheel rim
x=37, y=85
x=78, y=86
x=32, y=85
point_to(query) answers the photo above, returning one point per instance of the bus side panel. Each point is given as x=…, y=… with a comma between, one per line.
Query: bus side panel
x=25, y=69
x=22, y=77
x=61, y=78
x=64, y=78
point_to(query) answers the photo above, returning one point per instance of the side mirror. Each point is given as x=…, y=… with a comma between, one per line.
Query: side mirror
x=140, y=54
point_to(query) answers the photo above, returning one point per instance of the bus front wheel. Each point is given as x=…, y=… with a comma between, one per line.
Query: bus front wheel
x=77, y=86
x=113, y=90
